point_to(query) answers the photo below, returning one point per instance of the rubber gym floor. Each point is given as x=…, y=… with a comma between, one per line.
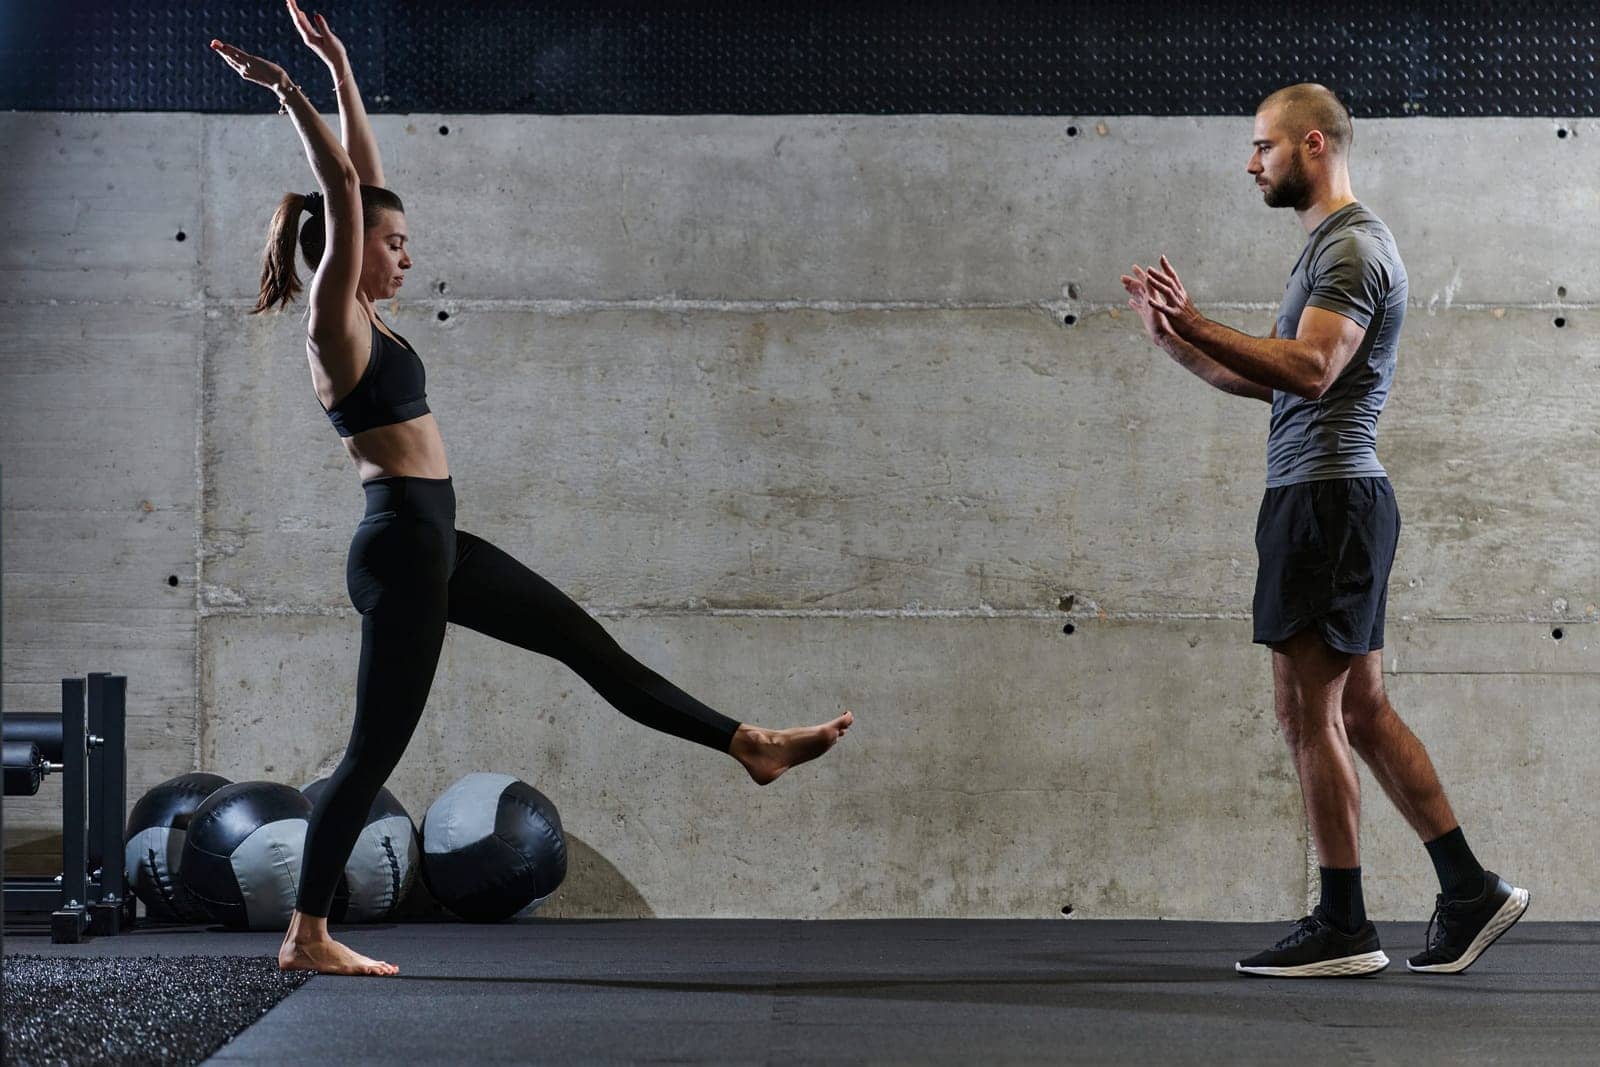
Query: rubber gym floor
x=908, y=991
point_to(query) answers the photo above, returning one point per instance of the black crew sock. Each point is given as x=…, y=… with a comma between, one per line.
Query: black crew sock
x=1341, y=898
x=1460, y=873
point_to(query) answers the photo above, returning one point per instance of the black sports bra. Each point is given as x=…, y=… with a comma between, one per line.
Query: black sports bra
x=392, y=389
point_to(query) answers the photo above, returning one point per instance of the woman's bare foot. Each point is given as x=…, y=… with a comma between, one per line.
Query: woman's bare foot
x=307, y=947
x=329, y=957
x=768, y=753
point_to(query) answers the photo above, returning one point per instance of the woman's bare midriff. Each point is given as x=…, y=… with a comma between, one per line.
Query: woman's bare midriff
x=411, y=449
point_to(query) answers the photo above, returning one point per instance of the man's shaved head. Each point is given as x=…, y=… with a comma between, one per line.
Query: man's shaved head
x=1308, y=106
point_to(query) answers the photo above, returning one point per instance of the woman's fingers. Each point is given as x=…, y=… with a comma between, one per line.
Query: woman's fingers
x=251, y=68
x=308, y=32
x=232, y=54
x=229, y=55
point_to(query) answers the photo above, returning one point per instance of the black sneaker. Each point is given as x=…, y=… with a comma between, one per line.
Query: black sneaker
x=1315, y=948
x=1461, y=930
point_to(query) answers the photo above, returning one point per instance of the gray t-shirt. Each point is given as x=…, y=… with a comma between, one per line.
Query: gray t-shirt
x=1349, y=266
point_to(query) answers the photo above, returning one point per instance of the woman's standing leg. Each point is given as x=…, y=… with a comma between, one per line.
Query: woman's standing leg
x=494, y=594
x=398, y=574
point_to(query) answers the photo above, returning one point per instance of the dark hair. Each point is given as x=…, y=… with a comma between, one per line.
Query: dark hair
x=1308, y=107
x=279, y=283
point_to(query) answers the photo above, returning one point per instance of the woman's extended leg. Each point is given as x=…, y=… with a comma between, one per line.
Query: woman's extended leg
x=492, y=593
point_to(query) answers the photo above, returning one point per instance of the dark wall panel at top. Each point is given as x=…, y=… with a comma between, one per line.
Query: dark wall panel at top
x=1428, y=57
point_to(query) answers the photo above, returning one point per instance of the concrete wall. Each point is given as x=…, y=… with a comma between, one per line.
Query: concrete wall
x=793, y=403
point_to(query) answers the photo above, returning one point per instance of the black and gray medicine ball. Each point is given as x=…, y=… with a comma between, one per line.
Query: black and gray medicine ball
x=241, y=858
x=153, y=855
x=491, y=847
x=381, y=867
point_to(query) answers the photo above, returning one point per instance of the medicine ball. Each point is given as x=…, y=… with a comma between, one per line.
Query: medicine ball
x=381, y=867
x=492, y=846
x=241, y=857
x=154, y=852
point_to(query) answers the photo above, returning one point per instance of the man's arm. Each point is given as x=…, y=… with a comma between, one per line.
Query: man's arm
x=1186, y=355
x=1306, y=366
x=1211, y=371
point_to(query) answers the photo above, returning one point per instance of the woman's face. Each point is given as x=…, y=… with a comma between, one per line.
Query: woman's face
x=384, y=259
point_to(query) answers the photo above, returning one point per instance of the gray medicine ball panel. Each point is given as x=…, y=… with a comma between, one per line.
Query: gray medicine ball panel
x=492, y=847
x=153, y=855
x=464, y=813
x=241, y=857
x=383, y=864
x=266, y=866
x=382, y=868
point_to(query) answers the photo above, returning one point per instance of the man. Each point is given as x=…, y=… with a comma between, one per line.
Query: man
x=1326, y=537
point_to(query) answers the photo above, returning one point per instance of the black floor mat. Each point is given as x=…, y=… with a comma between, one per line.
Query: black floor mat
x=169, y=1010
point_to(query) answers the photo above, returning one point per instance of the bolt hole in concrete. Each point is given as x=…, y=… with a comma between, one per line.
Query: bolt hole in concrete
x=444, y=316
x=1561, y=292
x=1069, y=320
x=1561, y=132
x=1072, y=291
x=1066, y=909
x=1560, y=321
x=1557, y=633
x=442, y=287
x=172, y=579
x=1072, y=131
x=1069, y=629
x=444, y=131
x=182, y=236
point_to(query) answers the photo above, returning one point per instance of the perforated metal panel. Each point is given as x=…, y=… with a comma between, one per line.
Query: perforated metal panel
x=1435, y=57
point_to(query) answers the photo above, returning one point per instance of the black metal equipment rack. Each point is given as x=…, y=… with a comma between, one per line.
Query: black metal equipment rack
x=88, y=744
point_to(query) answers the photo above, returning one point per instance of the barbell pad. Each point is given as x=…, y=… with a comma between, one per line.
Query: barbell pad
x=24, y=768
x=42, y=728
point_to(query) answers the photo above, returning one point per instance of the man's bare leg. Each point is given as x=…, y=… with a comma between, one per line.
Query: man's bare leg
x=1398, y=760
x=307, y=946
x=1475, y=906
x=766, y=754
x=1335, y=940
x=1308, y=680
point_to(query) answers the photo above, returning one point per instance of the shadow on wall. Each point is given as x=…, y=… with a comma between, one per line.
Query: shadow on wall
x=593, y=889
x=32, y=853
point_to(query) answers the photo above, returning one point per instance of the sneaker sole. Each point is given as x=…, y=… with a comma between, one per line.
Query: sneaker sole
x=1345, y=967
x=1515, y=907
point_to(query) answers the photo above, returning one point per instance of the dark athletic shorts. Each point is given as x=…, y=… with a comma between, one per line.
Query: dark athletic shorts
x=1325, y=549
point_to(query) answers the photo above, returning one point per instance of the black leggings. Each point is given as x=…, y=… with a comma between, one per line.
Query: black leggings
x=409, y=572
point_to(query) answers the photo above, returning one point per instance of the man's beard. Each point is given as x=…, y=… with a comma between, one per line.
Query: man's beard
x=1291, y=190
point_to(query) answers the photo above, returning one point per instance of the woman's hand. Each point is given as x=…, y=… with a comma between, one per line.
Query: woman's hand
x=320, y=39
x=263, y=72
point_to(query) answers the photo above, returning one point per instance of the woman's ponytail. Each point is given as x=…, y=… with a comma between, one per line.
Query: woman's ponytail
x=279, y=282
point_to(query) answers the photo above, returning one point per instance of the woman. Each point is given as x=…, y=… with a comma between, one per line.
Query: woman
x=409, y=570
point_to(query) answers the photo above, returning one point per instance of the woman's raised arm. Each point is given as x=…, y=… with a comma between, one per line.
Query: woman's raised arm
x=359, y=141
x=335, y=312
